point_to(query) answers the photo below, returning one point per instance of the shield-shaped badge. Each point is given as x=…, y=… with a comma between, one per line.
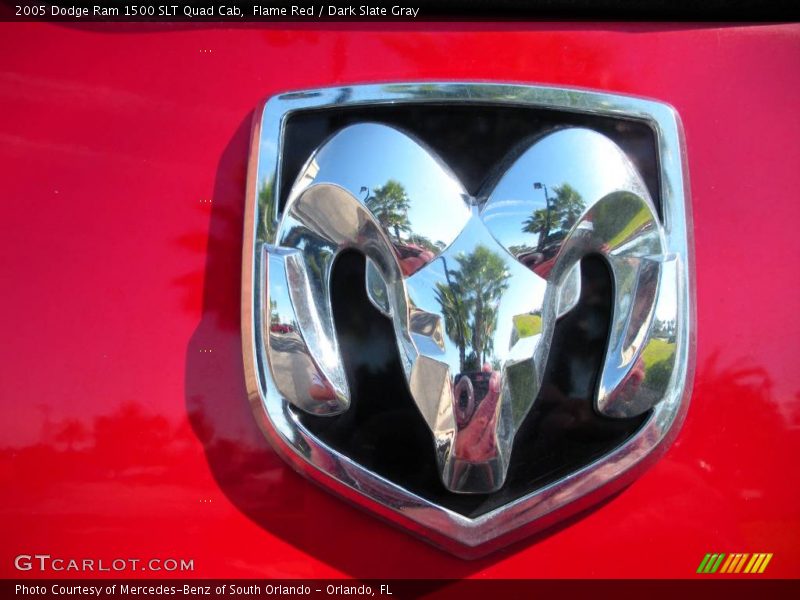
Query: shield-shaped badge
x=467, y=307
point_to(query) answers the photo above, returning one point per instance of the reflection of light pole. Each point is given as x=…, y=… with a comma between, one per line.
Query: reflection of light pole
x=538, y=186
x=365, y=189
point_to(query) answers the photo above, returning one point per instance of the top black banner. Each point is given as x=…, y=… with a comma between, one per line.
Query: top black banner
x=398, y=10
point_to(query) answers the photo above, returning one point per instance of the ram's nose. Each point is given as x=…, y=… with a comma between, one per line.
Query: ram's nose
x=476, y=464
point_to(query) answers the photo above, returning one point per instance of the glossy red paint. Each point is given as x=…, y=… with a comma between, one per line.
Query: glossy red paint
x=125, y=426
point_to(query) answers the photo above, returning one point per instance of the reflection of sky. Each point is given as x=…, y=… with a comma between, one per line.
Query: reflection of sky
x=369, y=155
x=525, y=291
x=588, y=161
x=667, y=304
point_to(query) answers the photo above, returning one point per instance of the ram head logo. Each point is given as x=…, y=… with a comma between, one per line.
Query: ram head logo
x=473, y=286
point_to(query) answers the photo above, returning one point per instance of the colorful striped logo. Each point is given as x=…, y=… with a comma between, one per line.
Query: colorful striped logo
x=734, y=563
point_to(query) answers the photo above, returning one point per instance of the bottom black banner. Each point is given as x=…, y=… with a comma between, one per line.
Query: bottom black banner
x=437, y=589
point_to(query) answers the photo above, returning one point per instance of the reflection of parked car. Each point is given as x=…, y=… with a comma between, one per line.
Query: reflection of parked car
x=413, y=257
x=540, y=262
x=280, y=328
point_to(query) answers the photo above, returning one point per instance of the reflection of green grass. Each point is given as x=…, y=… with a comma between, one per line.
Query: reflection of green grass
x=657, y=351
x=658, y=358
x=527, y=325
x=639, y=219
x=521, y=380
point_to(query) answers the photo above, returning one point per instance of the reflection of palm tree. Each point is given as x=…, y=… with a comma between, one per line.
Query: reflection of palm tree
x=425, y=243
x=456, y=310
x=390, y=205
x=469, y=302
x=561, y=212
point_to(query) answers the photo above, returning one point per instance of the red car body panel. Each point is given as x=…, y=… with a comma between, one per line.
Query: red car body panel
x=126, y=430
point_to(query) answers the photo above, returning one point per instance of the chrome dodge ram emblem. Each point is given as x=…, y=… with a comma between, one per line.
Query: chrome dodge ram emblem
x=473, y=286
